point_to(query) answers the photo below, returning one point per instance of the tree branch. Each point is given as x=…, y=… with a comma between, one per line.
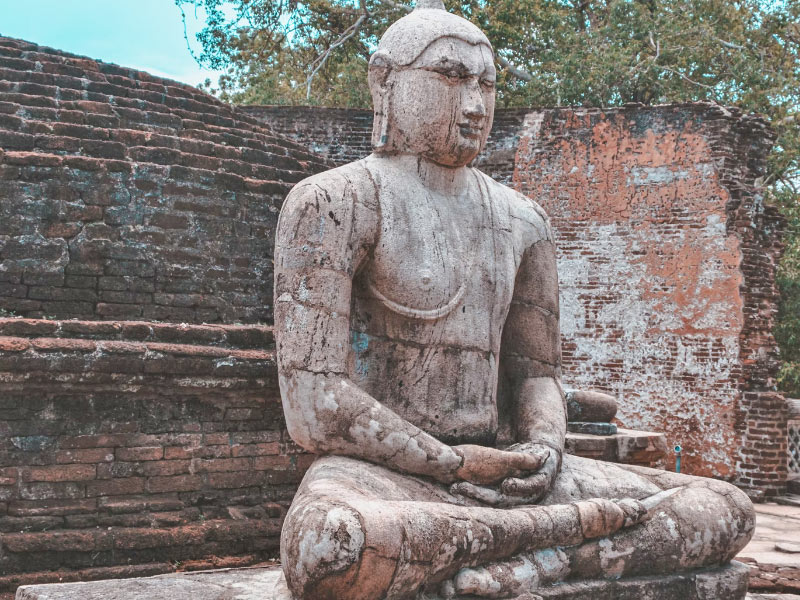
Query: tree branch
x=515, y=71
x=730, y=45
x=320, y=61
x=393, y=4
x=682, y=76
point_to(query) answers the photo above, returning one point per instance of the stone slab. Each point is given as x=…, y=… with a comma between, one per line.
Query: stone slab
x=789, y=500
x=775, y=524
x=627, y=446
x=772, y=570
x=259, y=583
x=592, y=428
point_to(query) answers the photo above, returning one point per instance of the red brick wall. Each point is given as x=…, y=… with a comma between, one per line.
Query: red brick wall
x=130, y=196
x=667, y=261
x=132, y=447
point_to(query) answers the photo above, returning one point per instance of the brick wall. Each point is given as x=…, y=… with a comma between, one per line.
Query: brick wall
x=667, y=261
x=343, y=134
x=130, y=196
x=130, y=448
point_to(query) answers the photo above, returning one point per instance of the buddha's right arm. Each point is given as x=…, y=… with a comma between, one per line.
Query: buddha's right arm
x=326, y=229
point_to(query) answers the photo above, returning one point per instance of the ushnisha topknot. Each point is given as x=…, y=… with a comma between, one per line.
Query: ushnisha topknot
x=408, y=37
x=432, y=4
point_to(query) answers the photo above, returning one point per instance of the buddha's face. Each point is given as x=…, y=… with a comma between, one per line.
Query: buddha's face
x=441, y=106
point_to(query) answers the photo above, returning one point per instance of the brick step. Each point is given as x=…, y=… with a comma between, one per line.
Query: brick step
x=96, y=351
x=255, y=163
x=100, y=552
x=9, y=583
x=100, y=121
x=237, y=337
x=106, y=129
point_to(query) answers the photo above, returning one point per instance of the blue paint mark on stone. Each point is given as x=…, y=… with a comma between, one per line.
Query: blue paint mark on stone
x=359, y=342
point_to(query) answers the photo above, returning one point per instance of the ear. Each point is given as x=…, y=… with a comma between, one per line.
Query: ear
x=380, y=65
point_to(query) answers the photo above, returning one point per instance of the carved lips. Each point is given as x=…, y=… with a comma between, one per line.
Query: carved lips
x=471, y=130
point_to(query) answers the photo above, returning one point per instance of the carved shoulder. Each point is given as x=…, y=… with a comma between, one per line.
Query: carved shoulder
x=537, y=277
x=528, y=221
x=531, y=223
x=328, y=220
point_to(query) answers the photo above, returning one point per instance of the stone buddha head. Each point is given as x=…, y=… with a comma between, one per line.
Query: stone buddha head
x=432, y=80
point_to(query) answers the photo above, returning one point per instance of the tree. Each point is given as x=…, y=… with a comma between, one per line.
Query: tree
x=787, y=331
x=549, y=53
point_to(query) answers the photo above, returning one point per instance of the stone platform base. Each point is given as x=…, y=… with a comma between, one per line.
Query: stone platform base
x=727, y=583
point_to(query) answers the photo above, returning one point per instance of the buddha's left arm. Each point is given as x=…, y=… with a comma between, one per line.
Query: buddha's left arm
x=531, y=351
x=530, y=358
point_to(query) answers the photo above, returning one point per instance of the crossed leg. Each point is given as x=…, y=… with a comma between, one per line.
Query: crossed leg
x=705, y=523
x=360, y=531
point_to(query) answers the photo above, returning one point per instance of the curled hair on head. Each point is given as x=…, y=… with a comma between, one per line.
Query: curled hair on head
x=435, y=4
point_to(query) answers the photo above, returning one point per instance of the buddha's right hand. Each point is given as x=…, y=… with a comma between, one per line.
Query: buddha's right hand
x=483, y=465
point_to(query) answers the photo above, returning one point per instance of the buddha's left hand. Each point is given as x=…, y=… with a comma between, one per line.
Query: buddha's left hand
x=516, y=491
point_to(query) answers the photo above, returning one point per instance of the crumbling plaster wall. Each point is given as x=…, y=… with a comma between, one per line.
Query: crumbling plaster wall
x=654, y=264
x=667, y=258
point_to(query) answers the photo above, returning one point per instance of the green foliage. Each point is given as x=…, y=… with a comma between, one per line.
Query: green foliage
x=552, y=53
x=787, y=331
x=560, y=52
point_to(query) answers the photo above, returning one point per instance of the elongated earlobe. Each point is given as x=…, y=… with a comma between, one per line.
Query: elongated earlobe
x=380, y=128
x=379, y=69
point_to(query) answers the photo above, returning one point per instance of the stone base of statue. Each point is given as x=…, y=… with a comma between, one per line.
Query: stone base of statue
x=725, y=583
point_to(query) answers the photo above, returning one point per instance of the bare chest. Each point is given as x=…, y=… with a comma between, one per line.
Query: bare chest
x=442, y=258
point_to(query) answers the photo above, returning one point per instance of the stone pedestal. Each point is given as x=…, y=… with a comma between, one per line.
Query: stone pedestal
x=726, y=583
x=627, y=446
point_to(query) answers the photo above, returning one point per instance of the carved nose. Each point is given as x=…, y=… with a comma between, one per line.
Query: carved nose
x=474, y=108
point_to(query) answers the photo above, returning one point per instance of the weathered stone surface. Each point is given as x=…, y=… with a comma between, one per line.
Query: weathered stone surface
x=589, y=406
x=233, y=584
x=267, y=584
x=771, y=569
x=627, y=446
x=409, y=288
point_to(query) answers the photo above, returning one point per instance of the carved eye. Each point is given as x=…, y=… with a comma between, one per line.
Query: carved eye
x=487, y=84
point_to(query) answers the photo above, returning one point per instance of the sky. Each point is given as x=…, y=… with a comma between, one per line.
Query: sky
x=143, y=34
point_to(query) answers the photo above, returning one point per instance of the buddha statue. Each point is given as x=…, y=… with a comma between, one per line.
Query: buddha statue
x=417, y=324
